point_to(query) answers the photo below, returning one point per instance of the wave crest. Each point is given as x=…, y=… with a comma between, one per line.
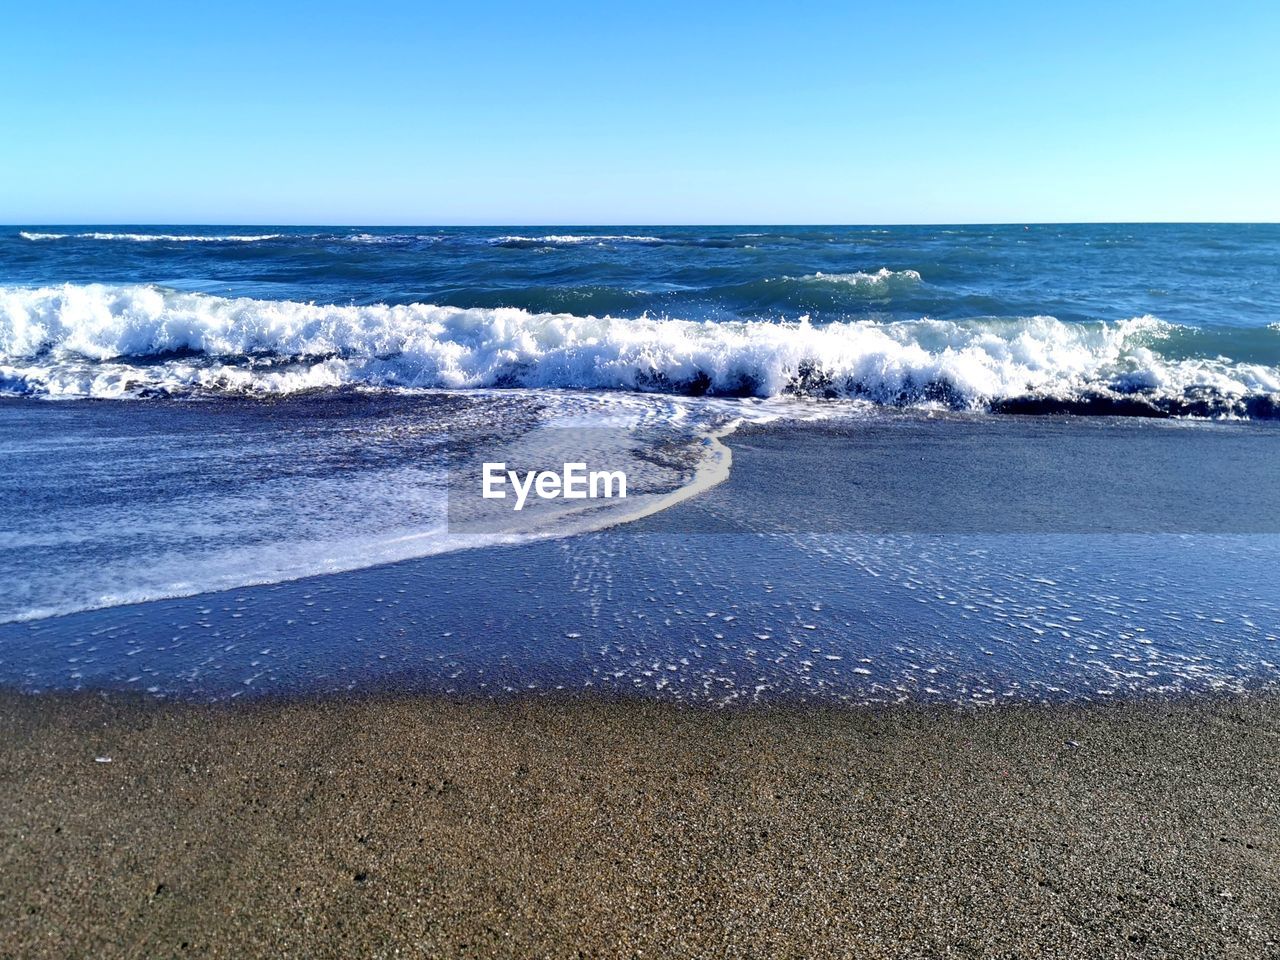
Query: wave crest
x=96, y=340
x=151, y=237
x=884, y=278
x=571, y=240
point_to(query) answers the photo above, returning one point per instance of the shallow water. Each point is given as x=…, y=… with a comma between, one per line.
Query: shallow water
x=197, y=423
x=766, y=588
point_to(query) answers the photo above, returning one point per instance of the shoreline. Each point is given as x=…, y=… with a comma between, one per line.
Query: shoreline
x=935, y=584
x=539, y=826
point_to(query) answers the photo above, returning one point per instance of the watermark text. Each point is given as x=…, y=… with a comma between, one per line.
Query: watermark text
x=574, y=482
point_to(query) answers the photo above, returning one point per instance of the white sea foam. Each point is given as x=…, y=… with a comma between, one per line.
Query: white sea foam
x=86, y=340
x=568, y=240
x=152, y=237
x=390, y=238
x=883, y=277
x=201, y=523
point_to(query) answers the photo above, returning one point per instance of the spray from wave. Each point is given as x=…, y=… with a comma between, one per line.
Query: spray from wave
x=115, y=341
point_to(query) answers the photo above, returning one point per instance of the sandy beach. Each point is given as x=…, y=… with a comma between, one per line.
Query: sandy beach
x=537, y=827
x=646, y=481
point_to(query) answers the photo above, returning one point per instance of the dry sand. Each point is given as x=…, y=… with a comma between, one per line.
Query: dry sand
x=422, y=827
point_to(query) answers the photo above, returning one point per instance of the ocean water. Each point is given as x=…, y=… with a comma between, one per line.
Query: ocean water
x=1130, y=319
x=227, y=454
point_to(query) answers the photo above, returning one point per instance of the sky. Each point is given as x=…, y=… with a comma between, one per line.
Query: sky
x=496, y=112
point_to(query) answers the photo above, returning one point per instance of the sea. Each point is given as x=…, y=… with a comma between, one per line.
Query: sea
x=868, y=465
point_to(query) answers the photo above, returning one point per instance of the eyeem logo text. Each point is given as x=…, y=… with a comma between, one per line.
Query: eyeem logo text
x=572, y=483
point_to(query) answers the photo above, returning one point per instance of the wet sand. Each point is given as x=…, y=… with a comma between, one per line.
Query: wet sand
x=428, y=827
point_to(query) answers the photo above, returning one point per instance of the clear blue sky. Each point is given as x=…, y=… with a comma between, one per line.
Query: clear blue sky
x=657, y=112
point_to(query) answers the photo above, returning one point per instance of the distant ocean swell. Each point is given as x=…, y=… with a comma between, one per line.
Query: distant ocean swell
x=123, y=341
x=515, y=242
x=151, y=237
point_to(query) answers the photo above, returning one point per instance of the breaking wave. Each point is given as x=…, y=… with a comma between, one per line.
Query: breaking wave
x=121, y=341
x=570, y=240
x=151, y=237
x=882, y=278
